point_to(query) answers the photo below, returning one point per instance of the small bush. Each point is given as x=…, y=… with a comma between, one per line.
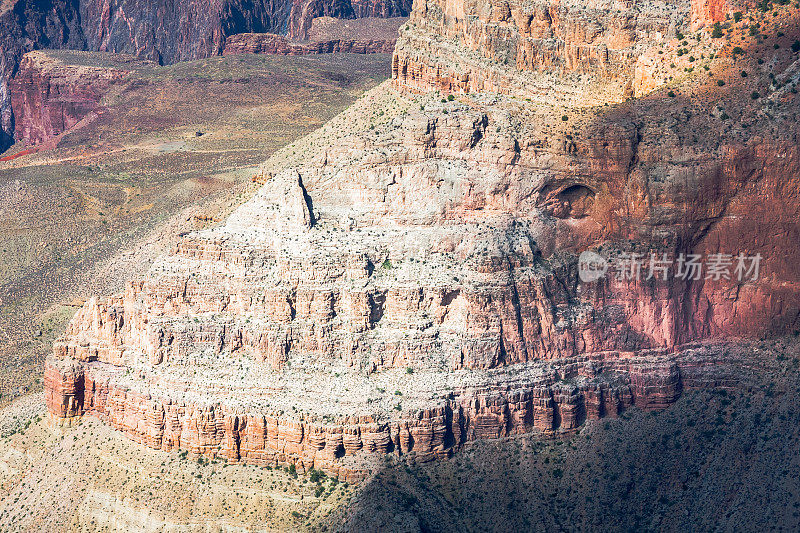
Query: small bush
x=716, y=33
x=671, y=94
x=720, y=83
x=316, y=475
x=754, y=95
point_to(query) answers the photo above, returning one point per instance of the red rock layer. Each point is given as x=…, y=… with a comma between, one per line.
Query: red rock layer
x=576, y=390
x=49, y=98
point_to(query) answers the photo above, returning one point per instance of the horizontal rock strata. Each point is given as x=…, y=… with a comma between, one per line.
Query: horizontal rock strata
x=268, y=43
x=560, y=398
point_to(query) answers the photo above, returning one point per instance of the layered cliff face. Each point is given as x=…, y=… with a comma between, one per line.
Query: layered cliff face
x=161, y=31
x=25, y=25
x=407, y=278
x=49, y=97
x=586, y=53
x=326, y=35
x=303, y=12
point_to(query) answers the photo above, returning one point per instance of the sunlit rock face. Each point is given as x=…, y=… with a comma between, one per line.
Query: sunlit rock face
x=407, y=278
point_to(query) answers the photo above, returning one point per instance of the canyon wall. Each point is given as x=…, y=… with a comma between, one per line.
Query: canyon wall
x=463, y=46
x=497, y=43
x=269, y=43
x=326, y=35
x=48, y=97
x=161, y=31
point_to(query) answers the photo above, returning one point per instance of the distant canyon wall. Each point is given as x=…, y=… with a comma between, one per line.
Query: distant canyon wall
x=48, y=97
x=161, y=31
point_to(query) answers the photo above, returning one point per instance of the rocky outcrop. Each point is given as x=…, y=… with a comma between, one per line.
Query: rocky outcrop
x=415, y=263
x=559, y=399
x=49, y=98
x=326, y=35
x=25, y=25
x=304, y=12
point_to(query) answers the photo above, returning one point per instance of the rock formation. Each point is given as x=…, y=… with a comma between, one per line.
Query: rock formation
x=269, y=43
x=407, y=278
x=326, y=35
x=25, y=25
x=49, y=98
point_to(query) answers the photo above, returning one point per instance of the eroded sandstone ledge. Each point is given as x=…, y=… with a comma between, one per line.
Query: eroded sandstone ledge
x=550, y=399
